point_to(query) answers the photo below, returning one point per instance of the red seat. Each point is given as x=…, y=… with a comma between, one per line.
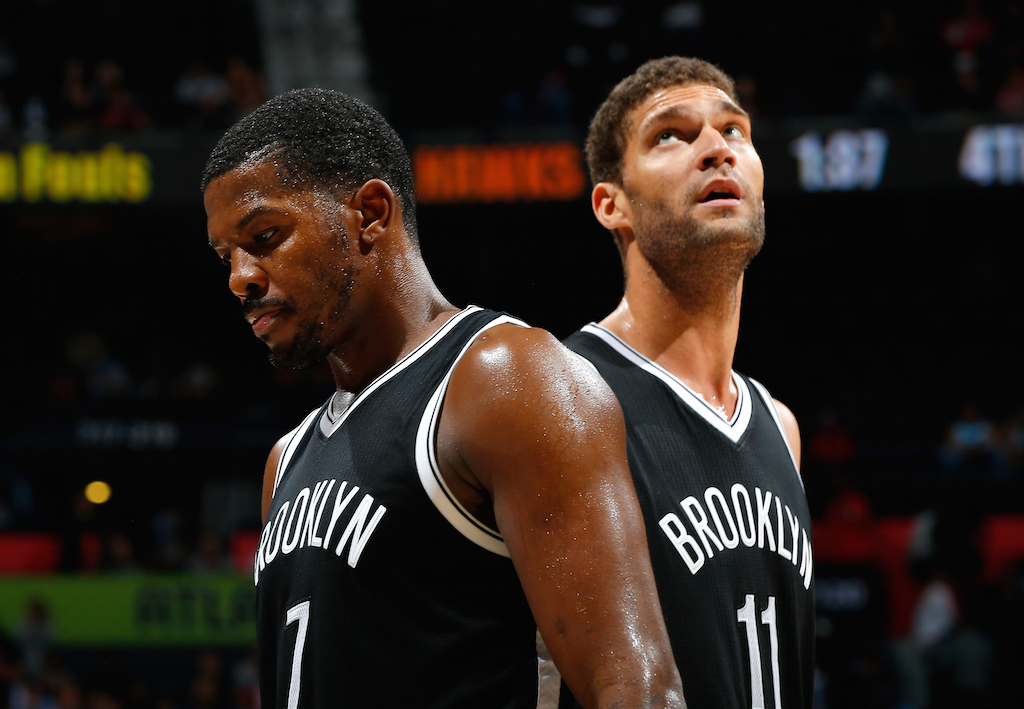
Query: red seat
x=29, y=553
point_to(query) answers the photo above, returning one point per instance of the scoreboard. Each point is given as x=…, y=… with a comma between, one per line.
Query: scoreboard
x=542, y=165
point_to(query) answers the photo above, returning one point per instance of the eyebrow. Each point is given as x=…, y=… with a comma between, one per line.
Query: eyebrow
x=249, y=217
x=677, y=111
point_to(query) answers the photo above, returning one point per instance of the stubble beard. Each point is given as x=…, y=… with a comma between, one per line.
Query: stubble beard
x=700, y=263
x=309, y=348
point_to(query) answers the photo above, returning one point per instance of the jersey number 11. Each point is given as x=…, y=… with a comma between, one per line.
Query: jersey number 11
x=747, y=616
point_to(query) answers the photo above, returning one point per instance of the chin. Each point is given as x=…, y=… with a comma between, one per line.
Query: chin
x=305, y=350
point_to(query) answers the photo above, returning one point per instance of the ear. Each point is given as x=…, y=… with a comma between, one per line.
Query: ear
x=377, y=207
x=611, y=206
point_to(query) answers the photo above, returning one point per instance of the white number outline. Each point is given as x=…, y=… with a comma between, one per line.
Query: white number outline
x=298, y=612
x=747, y=616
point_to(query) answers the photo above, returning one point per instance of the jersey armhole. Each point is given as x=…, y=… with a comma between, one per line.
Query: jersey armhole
x=770, y=405
x=429, y=470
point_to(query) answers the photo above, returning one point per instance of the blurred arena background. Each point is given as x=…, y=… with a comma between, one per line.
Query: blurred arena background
x=882, y=309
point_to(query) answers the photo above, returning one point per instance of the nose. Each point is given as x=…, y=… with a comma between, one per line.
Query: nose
x=247, y=278
x=714, y=150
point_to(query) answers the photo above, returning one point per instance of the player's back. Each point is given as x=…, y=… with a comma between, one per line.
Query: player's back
x=728, y=529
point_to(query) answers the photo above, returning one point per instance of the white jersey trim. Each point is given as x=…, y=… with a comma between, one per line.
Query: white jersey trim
x=294, y=436
x=769, y=402
x=733, y=429
x=429, y=471
x=328, y=427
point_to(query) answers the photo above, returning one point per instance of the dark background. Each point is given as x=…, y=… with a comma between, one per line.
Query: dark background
x=887, y=311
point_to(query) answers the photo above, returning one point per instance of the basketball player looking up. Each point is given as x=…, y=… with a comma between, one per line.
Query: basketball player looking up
x=714, y=458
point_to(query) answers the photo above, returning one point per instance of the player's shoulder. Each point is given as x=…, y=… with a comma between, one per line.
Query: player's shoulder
x=512, y=361
x=513, y=347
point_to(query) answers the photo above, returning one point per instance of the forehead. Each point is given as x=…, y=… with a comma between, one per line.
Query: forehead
x=241, y=186
x=698, y=99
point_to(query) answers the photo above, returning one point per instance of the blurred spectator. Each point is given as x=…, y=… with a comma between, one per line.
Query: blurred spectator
x=554, y=98
x=10, y=656
x=75, y=109
x=970, y=36
x=245, y=86
x=1010, y=96
x=968, y=31
x=8, y=60
x=17, y=500
x=6, y=117
x=210, y=556
x=208, y=689
x=203, y=95
x=969, y=444
x=120, y=554
x=1015, y=439
x=68, y=694
x=35, y=635
x=746, y=91
x=947, y=658
x=118, y=106
x=830, y=443
x=170, y=552
x=682, y=24
x=123, y=113
x=245, y=682
x=35, y=119
x=105, y=377
x=886, y=97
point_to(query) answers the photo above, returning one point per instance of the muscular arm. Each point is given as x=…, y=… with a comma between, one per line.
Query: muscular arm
x=540, y=435
x=792, y=429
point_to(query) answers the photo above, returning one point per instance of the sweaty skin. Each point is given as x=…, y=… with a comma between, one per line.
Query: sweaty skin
x=530, y=437
x=684, y=254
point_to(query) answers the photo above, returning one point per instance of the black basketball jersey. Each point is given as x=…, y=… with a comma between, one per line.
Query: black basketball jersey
x=729, y=532
x=375, y=588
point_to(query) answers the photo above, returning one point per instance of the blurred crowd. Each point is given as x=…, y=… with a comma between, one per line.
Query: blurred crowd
x=36, y=673
x=99, y=97
x=891, y=61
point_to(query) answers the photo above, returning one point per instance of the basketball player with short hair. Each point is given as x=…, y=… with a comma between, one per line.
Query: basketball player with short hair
x=714, y=458
x=464, y=486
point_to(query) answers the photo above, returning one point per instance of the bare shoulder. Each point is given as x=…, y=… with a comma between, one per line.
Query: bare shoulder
x=511, y=363
x=270, y=472
x=791, y=427
x=519, y=386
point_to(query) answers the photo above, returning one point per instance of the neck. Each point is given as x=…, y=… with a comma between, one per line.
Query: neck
x=691, y=332
x=404, y=309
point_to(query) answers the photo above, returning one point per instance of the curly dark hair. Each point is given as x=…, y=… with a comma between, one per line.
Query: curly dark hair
x=323, y=139
x=609, y=130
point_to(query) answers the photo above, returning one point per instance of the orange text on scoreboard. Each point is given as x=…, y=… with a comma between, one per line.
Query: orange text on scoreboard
x=522, y=172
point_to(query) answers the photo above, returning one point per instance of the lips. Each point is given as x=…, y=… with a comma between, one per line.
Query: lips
x=721, y=191
x=263, y=320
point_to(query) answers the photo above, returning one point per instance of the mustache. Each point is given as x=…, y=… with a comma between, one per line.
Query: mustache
x=252, y=304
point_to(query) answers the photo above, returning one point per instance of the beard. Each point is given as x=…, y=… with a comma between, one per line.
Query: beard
x=309, y=348
x=697, y=261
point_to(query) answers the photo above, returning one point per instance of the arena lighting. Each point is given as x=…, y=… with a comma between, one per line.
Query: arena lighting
x=97, y=492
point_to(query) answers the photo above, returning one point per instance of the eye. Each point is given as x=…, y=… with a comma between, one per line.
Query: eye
x=734, y=131
x=224, y=261
x=667, y=136
x=263, y=237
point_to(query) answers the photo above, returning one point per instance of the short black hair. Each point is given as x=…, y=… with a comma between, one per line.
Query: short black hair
x=322, y=139
x=608, y=133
